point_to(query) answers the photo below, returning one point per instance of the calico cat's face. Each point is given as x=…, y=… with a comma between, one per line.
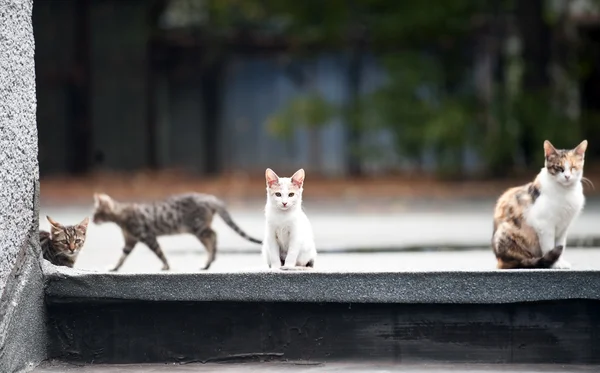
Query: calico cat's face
x=565, y=166
x=68, y=239
x=284, y=192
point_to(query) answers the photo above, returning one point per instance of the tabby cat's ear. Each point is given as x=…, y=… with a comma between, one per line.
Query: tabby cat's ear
x=581, y=148
x=54, y=224
x=298, y=178
x=271, y=177
x=84, y=223
x=549, y=149
x=101, y=199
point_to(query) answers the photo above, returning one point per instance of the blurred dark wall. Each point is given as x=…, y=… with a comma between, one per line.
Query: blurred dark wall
x=114, y=96
x=116, y=91
x=92, y=84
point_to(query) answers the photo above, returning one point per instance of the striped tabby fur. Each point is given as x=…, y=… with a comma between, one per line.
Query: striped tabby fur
x=62, y=244
x=184, y=213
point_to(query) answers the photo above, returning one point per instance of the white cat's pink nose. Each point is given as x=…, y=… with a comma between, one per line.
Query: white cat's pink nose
x=284, y=204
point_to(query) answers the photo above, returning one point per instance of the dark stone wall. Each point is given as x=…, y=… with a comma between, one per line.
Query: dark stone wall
x=564, y=332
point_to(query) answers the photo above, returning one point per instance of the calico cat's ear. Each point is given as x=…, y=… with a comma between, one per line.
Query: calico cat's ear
x=581, y=148
x=271, y=177
x=84, y=223
x=298, y=178
x=54, y=224
x=549, y=149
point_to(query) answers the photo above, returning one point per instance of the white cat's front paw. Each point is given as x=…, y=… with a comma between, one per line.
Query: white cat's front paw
x=561, y=264
x=287, y=268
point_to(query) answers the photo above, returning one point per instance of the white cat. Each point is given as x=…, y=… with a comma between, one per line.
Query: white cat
x=288, y=241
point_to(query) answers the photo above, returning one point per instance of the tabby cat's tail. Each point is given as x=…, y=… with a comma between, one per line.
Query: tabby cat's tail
x=545, y=261
x=224, y=214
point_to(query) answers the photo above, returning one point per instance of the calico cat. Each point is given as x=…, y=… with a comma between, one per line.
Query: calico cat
x=531, y=222
x=62, y=244
x=184, y=213
x=288, y=241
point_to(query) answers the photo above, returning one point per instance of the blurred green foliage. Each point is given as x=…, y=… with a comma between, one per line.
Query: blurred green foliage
x=430, y=101
x=310, y=111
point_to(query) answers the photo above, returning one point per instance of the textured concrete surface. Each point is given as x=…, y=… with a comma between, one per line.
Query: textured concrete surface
x=18, y=132
x=481, y=287
x=303, y=367
x=22, y=314
x=336, y=227
x=22, y=329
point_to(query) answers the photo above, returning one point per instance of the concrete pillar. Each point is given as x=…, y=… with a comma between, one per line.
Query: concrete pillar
x=22, y=329
x=18, y=132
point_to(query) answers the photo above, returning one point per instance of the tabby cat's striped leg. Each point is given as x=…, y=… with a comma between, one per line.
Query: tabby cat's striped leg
x=152, y=243
x=129, y=245
x=208, y=237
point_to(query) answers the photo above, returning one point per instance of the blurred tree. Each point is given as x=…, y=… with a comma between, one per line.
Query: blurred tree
x=311, y=111
x=495, y=77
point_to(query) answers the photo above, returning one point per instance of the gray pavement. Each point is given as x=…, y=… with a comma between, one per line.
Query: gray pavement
x=369, y=226
x=309, y=367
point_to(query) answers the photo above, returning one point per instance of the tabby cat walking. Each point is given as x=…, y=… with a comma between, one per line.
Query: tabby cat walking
x=62, y=244
x=184, y=213
x=531, y=222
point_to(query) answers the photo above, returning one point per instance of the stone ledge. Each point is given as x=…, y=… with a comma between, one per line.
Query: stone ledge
x=461, y=287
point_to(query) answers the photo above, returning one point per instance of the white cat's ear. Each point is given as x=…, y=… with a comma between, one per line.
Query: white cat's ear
x=271, y=177
x=549, y=149
x=84, y=223
x=580, y=149
x=298, y=178
x=54, y=224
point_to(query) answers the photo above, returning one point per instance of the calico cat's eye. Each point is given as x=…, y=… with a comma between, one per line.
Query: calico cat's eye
x=291, y=195
x=560, y=169
x=278, y=194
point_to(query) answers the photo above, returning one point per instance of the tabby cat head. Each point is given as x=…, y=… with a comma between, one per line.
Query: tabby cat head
x=103, y=208
x=68, y=239
x=565, y=166
x=284, y=192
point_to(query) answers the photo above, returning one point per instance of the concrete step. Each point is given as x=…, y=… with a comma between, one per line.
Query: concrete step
x=314, y=367
x=516, y=317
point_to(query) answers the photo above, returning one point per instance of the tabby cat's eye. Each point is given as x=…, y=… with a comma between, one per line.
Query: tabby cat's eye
x=278, y=194
x=78, y=240
x=291, y=195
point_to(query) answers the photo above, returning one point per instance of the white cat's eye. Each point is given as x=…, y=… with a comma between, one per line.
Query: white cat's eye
x=291, y=195
x=278, y=194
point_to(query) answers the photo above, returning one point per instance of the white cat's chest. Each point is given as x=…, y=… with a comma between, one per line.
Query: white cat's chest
x=557, y=210
x=282, y=236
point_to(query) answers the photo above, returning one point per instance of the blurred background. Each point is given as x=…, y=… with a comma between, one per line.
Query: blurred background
x=391, y=107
